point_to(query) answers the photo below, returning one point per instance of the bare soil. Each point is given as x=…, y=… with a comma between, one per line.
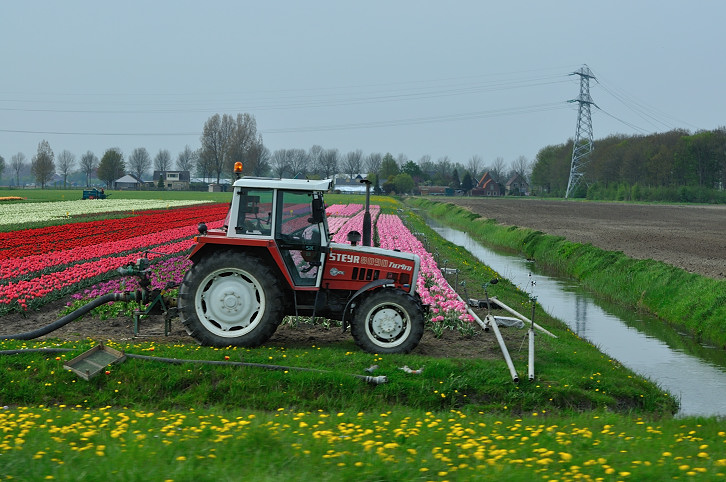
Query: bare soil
x=692, y=237
x=302, y=335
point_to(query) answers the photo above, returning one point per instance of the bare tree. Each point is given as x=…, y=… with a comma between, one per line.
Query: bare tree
x=162, y=161
x=299, y=162
x=187, y=159
x=42, y=165
x=443, y=170
x=261, y=156
x=243, y=142
x=17, y=162
x=315, y=154
x=329, y=163
x=215, y=140
x=374, y=162
x=140, y=162
x=205, y=165
x=2, y=166
x=66, y=162
x=89, y=164
x=428, y=168
x=353, y=162
x=474, y=166
x=498, y=170
x=401, y=159
x=522, y=167
x=279, y=162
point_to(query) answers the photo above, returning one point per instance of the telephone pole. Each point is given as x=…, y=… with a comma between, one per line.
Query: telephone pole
x=582, y=146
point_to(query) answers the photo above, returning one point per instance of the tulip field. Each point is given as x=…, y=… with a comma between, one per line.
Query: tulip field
x=79, y=260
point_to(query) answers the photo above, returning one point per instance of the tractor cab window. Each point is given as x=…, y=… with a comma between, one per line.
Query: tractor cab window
x=298, y=236
x=254, y=216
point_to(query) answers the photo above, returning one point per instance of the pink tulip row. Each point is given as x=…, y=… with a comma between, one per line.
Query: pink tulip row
x=435, y=291
x=343, y=210
x=355, y=224
x=24, y=291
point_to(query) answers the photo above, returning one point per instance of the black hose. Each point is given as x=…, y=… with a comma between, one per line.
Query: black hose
x=29, y=335
x=375, y=380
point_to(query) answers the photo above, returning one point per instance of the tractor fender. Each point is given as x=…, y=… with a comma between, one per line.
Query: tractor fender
x=370, y=286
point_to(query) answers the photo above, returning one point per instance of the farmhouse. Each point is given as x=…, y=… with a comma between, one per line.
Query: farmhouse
x=487, y=186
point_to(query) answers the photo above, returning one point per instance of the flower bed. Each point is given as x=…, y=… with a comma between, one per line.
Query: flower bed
x=23, y=212
x=435, y=291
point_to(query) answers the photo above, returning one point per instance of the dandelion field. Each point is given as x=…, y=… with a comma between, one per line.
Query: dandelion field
x=585, y=416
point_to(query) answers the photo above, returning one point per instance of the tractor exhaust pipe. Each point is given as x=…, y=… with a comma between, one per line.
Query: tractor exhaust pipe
x=29, y=335
x=367, y=214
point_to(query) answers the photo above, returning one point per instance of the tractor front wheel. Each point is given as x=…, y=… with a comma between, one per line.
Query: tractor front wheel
x=230, y=299
x=388, y=321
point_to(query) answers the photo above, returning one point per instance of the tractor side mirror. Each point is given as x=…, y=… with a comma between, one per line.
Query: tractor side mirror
x=318, y=211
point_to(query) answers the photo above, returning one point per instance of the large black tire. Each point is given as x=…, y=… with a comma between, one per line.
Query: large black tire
x=230, y=299
x=388, y=321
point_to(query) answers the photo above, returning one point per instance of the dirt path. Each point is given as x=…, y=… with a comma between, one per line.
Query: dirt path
x=692, y=237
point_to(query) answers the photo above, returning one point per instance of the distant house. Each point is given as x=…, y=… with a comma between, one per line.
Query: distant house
x=487, y=186
x=436, y=190
x=517, y=186
x=173, y=180
x=127, y=183
x=345, y=185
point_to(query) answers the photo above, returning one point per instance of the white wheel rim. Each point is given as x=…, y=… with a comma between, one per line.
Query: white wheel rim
x=388, y=325
x=229, y=302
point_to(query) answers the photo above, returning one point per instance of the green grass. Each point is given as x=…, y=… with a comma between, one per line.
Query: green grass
x=686, y=300
x=133, y=443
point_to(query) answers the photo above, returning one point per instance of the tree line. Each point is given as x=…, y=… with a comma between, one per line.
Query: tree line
x=672, y=166
x=228, y=139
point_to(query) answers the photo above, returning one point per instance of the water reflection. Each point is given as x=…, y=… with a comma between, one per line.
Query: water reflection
x=689, y=371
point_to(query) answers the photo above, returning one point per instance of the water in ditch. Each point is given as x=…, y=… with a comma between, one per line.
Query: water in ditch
x=694, y=373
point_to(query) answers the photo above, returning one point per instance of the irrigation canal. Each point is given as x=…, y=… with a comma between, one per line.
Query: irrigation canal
x=694, y=373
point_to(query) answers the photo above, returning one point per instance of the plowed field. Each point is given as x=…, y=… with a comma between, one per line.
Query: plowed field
x=692, y=237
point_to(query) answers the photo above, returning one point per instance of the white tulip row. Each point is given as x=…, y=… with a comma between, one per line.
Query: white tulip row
x=17, y=213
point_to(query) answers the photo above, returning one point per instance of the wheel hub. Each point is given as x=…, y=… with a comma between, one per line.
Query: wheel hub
x=229, y=301
x=387, y=323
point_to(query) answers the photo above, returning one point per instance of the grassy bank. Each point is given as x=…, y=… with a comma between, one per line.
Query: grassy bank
x=693, y=302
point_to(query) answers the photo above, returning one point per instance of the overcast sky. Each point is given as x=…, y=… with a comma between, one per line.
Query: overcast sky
x=418, y=78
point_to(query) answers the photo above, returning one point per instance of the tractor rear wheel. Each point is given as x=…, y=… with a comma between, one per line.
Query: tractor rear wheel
x=388, y=321
x=230, y=299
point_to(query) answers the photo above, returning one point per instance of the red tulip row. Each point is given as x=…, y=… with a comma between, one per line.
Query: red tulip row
x=16, y=244
x=15, y=267
x=58, y=270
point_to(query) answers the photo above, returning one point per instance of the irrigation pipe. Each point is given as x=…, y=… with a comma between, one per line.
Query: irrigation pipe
x=522, y=317
x=490, y=319
x=101, y=300
x=530, y=363
x=374, y=380
x=369, y=379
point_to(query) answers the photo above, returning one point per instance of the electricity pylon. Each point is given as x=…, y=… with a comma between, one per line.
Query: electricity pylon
x=582, y=146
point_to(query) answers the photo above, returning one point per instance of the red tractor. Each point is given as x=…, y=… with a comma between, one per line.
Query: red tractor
x=274, y=257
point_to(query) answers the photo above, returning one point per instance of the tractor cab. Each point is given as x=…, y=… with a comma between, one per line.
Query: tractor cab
x=289, y=212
